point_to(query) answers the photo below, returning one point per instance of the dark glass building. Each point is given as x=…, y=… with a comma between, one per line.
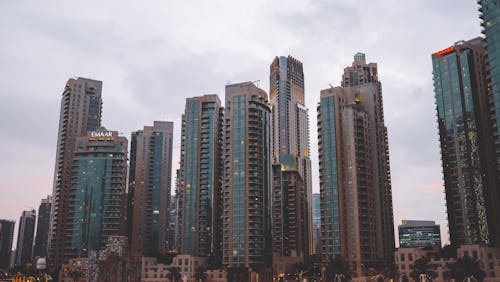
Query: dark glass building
x=42, y=228
x=419, y=233
x=200, y=178
x=98, y=196
x=149, y=188
x=25, y=236
x=6, y=238
x=467, y=157
x=316, y=222
x=80, y=112
x=247, y=178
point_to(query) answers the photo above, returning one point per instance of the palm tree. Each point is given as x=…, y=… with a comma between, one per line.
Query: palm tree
x=422, y=267
x=200, y=275
x=338, y=269
x=466, y=267
x=174, y=274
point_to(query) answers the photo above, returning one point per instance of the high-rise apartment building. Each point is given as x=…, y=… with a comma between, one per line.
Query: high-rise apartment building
x=289, y=219
x=316, y=204
x=418, y=234
x=80, y=112
x=42, y=228
x=6, y=238
x=200, y=178
x=466, y=148
x=149, y=188
x=290, y=122
x=247, y=178
x=98, y=192
x=356, y=197
x=25, y=236
x=490, y=17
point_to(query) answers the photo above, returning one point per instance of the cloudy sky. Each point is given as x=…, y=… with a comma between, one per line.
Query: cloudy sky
x=151, y=57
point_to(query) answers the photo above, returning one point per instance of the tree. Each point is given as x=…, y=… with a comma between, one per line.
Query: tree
x=200, y=275
x=302, y=269
x=338, y=267
x=466, y=267
x=404, y=278
x=422, y=267
x=174, y=274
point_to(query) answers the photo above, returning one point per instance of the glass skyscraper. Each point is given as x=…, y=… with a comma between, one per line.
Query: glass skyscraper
x=98, y=193
x=355, y=188
x=247, y=178
x=200, y=178
x=25, y=236
x=149, y=188
x=6, y=238
x=418, y=234
x=463, y=119
x=42, y=228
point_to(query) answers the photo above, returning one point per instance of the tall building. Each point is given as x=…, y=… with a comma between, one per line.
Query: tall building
x=25, y=236
x=149, y=188
x=98, y=192
x=356, y=197
x=200, y=177
x=80, y=112
x=42, y=228
x=419, y=233
x=6, y=238
x=490, y=17
x=316, y=204
x=290, y=122
x=247, y=180
x=463, y=119
x=289, y=217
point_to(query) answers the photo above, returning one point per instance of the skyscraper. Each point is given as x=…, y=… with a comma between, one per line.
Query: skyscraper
x=25, y=236
x=289, y=223
x=490, y=17
x=42, y=228
x=6, y=238
x=247, y=180
x=80, y=112
x=98, y=192
x=200, y=177
x=466, y=148
x=316, y=204
x=290, y=122
x=149, y=188
x=356, y=197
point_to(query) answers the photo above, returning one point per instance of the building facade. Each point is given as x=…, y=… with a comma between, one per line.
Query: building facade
x=200, y=178
x=25, y=236
x=356, y=197
x=490, y=16
x=419, y=233
x=98, y=193
x=6, y=239
x=290, y=122
x=316, y=201
x=149, y=188
x=42, y=228
x=247, y=178
x=463, y=119
x=80, y=112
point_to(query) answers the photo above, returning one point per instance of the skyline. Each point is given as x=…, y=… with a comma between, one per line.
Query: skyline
x=415, y=164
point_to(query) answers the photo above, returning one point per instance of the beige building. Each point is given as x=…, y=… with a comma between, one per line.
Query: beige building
x=153, y=271
x=488, y=257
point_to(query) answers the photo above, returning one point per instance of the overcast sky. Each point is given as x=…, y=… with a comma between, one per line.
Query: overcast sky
x=152, y=56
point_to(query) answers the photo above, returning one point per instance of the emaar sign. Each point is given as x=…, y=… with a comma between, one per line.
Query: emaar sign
x=97, y=134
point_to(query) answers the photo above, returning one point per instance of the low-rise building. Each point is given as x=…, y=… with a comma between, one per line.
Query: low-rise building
x=154, y=271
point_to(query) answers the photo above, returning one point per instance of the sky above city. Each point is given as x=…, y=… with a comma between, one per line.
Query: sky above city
x=152, y=56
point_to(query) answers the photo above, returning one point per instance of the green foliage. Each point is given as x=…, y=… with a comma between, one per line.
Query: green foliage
x=422, y=266
x=338, y=267
x=174, y=274
x=200, y=275
x=466, y=267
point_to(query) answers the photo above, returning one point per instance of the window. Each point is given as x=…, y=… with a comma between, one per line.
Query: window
x=402, y=257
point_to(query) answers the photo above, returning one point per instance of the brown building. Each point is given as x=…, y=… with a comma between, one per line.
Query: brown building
x=355, y=188
x=247, y=180
x=289, y=219
x=81, y=105
x=149, y=188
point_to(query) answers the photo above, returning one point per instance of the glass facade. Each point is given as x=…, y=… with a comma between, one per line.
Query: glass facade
x=458, y=99
x=415, y=234
x=329, y=188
